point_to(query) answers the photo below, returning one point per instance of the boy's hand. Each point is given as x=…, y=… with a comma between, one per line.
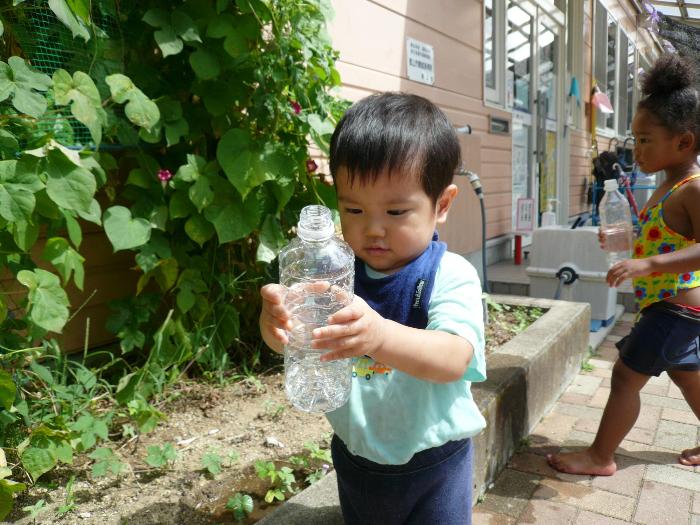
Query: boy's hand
x=274, y=318
x=352, y=331
x=627, y=270
x=601, y=238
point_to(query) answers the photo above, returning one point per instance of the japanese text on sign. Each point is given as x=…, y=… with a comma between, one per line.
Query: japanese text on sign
x=420, y=65
x=525, y=218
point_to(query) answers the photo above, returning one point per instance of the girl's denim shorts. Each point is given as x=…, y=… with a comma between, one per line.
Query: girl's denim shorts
x=664, y=338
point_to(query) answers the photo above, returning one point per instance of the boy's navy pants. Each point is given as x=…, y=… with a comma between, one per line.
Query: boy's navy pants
x=433, y=488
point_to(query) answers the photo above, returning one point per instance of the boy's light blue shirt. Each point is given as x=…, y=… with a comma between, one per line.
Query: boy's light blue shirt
x=391, y=415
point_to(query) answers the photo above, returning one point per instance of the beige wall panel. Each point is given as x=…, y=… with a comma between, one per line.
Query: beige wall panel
x=432, y=13
x=493, y=171
x=496, y=156
x=371, y=39
x=360, y=81
x=498, y=200
x=498, y=185
x=462, y=232
x=369, y=35
x=498, y=213
x=499, y=228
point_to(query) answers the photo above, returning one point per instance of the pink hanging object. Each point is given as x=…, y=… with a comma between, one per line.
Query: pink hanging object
x=601, y=101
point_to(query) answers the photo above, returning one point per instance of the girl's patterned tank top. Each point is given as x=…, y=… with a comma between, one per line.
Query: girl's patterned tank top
x=655, y=238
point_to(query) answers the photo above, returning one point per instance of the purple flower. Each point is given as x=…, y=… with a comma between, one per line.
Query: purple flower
x=653, y=13
x=311, y=165
x=295, y=106
x=164, y=175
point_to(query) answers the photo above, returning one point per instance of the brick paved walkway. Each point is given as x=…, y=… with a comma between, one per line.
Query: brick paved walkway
x=650, y=487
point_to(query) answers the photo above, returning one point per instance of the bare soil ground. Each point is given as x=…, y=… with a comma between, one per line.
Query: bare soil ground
x=251, y=418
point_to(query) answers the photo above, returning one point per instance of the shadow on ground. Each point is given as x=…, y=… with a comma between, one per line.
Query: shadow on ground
x=523, y=479
x=296, y=514
x=168, y=514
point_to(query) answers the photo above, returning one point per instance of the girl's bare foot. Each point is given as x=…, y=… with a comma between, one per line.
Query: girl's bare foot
x=690, y=457
x=581, y=463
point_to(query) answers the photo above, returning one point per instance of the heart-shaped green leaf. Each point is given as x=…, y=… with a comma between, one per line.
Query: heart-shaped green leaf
x=69, y=185
x=48, y=302
x=124, y=231
x=84, y=99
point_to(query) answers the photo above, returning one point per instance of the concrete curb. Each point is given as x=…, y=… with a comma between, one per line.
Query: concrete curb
x=525, y=378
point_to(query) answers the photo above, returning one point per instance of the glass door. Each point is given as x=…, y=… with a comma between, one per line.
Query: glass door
x=534, y=92
x=547, y=110
x=519, y=82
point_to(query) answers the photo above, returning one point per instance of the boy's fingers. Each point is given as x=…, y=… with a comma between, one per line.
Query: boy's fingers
x=331, y=356
x=273, y=293
x=334, y=331
x=345, y=315
x=317, y=286
x=302, y=290
x=280, y=335
x=341, y=295
x=336, y=353
x=336, y=343
x=282, y=324
x=276, y=310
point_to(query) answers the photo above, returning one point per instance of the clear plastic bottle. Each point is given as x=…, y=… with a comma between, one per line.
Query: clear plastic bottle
x=616, y=223
x=318, y=270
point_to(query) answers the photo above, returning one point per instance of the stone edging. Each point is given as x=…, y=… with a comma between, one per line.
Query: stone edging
x=525, y=377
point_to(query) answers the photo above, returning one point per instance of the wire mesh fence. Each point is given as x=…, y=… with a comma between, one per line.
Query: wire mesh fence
x=33, y=32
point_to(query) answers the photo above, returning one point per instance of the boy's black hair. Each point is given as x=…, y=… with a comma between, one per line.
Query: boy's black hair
x=671, y=95
x=396, y=133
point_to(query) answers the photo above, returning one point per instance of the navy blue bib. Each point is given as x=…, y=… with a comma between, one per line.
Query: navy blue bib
x=403, y=296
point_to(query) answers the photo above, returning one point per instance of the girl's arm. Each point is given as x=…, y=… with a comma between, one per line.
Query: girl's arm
x=680, y=261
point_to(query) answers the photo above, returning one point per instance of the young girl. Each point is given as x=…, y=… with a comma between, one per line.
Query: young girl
x=665, y=268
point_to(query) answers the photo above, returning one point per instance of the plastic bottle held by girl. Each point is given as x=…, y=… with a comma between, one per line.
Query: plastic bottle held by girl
x=616, y=223
x=318, y=270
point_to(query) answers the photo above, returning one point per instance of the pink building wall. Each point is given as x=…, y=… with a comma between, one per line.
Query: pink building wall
x=371, y=38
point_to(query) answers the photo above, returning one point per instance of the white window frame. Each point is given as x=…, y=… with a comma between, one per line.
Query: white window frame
x=575, y=60
x=620, y=82
x=597, y=52
x=496, y=96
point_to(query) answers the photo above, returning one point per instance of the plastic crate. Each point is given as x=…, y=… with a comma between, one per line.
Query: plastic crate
x=576, y=256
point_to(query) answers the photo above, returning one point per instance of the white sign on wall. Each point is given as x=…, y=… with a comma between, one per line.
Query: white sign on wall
x=525, y=218
x=419, y=62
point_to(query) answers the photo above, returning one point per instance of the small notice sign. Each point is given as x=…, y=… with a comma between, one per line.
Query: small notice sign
x=420, y=63
x=525, y=215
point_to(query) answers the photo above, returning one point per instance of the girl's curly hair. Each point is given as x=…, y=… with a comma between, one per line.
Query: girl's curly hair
x=670, y=94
